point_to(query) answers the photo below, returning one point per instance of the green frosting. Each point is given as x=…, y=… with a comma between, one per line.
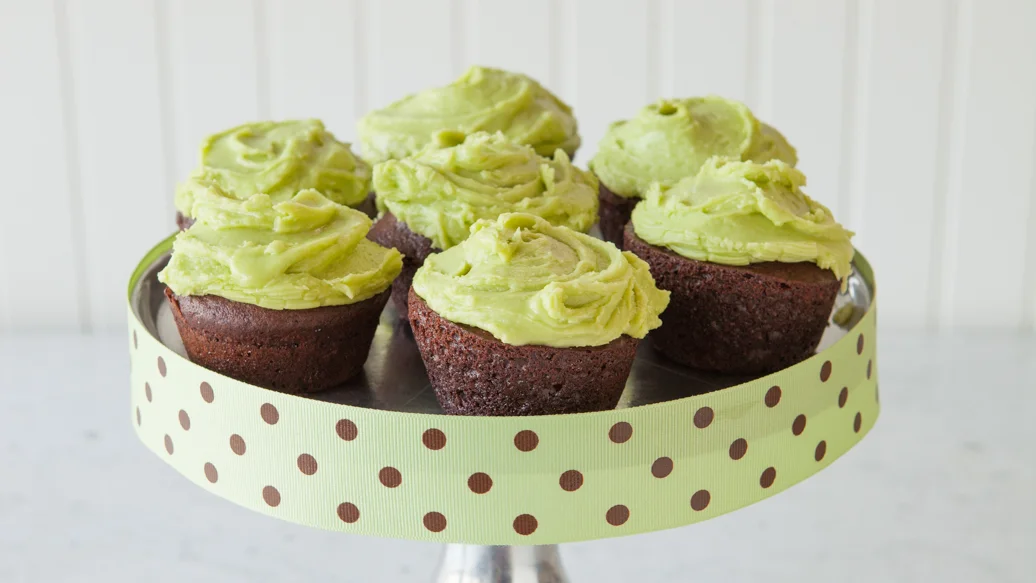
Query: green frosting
x=447, y=187
x=736, y=213
x=303, y=252
x=278, y=159
x=526, y=281
x=482, y=99
x=671, y=139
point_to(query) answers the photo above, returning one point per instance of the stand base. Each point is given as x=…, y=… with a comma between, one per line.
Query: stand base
x=499, y=564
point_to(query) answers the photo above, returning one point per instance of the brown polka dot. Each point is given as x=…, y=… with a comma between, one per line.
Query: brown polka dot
x=617, y=515
x=185, y=420
x=169, y=444
x=307, y=464
x=435, y=521
x=237, y=444
x=206, y=393
x=738, y=448
x=526, y=440
x=876, y=398
x=798, y=425
x=843, y=397
x=825, y=371
x=621, y=432
x=348, y=512
x=271, y=496
x=210, y=473
x=767, y=478
x=571, y=480
x=870, y=368
x=773, y=396
x=269, y=414
x=161, y=366
x=138, y=416
x=525, y=524
x=857, y=422
x=703, y=417
x=662, y=467
x=700, y=500
x=390, y=477
x=134, y=339
x=480, y=483
x=346, y=429
x=147, y=391
x=859, y=344
x=434, y=439
x=820, y=451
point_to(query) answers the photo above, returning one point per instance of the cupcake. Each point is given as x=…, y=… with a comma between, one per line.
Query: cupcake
x=529, y=318
x=283, y=294
x=278, y=159
x=753, y=265
x=483, y=99
x=430, y=200
x=670, y=140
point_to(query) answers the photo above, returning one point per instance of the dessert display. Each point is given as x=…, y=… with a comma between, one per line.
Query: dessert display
x=430, y=200
x=752, y=262
x=285, y=295
x=670, y=140
x=528, y=318
x=278, y=159
x=482, y=99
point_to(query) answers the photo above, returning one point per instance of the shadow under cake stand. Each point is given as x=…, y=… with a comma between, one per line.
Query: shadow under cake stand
x=378, y=457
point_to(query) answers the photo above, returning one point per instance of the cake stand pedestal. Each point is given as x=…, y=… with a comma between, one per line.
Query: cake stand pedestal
x=377, y=457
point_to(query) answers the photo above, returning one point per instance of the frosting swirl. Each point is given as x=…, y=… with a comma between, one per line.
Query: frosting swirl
x=671, y=139
x=303, y=252
x=526, y=281
x=278, y=159
x=736, y=213
x=447, y=187
x=482, y=99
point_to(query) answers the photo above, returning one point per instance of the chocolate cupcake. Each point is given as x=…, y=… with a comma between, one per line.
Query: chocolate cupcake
x=285, y=295
x=670, y=140
x=278, y=159
x=483, y=99
x=528, y=318
x=753, y=265
x=429, y=201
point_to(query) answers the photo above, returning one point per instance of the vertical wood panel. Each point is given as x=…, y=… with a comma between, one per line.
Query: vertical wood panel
x=313, y=56
x=213, y=72
x=410, y=47
x=612, y=80
x=986, y=226
x=113, y=58
x=805, y=98
x=513, y=36
x=711, y=48
x=40, y=267
x=898, y=175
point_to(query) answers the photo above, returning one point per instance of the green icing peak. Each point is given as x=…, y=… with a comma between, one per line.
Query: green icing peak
x=454, y=182
x=278, y=159
x=736, y=213
x=301, y=252
x=526, y=281
x=482, y=99
x=671, y=139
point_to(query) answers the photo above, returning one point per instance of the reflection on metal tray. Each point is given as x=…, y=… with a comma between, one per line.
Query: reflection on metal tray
x=394, y=377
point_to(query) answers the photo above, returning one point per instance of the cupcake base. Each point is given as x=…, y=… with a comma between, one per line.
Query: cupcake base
x=752, y=319
x=183, y=223
x=389, y=231
x=473, y=373
x=615, y=212
x=292, y=351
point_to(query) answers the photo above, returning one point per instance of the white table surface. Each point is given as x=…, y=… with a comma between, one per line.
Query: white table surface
x=943, y=489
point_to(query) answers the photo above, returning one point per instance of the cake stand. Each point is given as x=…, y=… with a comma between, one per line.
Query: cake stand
x=378, y=457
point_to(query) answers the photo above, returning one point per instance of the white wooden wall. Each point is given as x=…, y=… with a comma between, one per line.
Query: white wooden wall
x=915, y=119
